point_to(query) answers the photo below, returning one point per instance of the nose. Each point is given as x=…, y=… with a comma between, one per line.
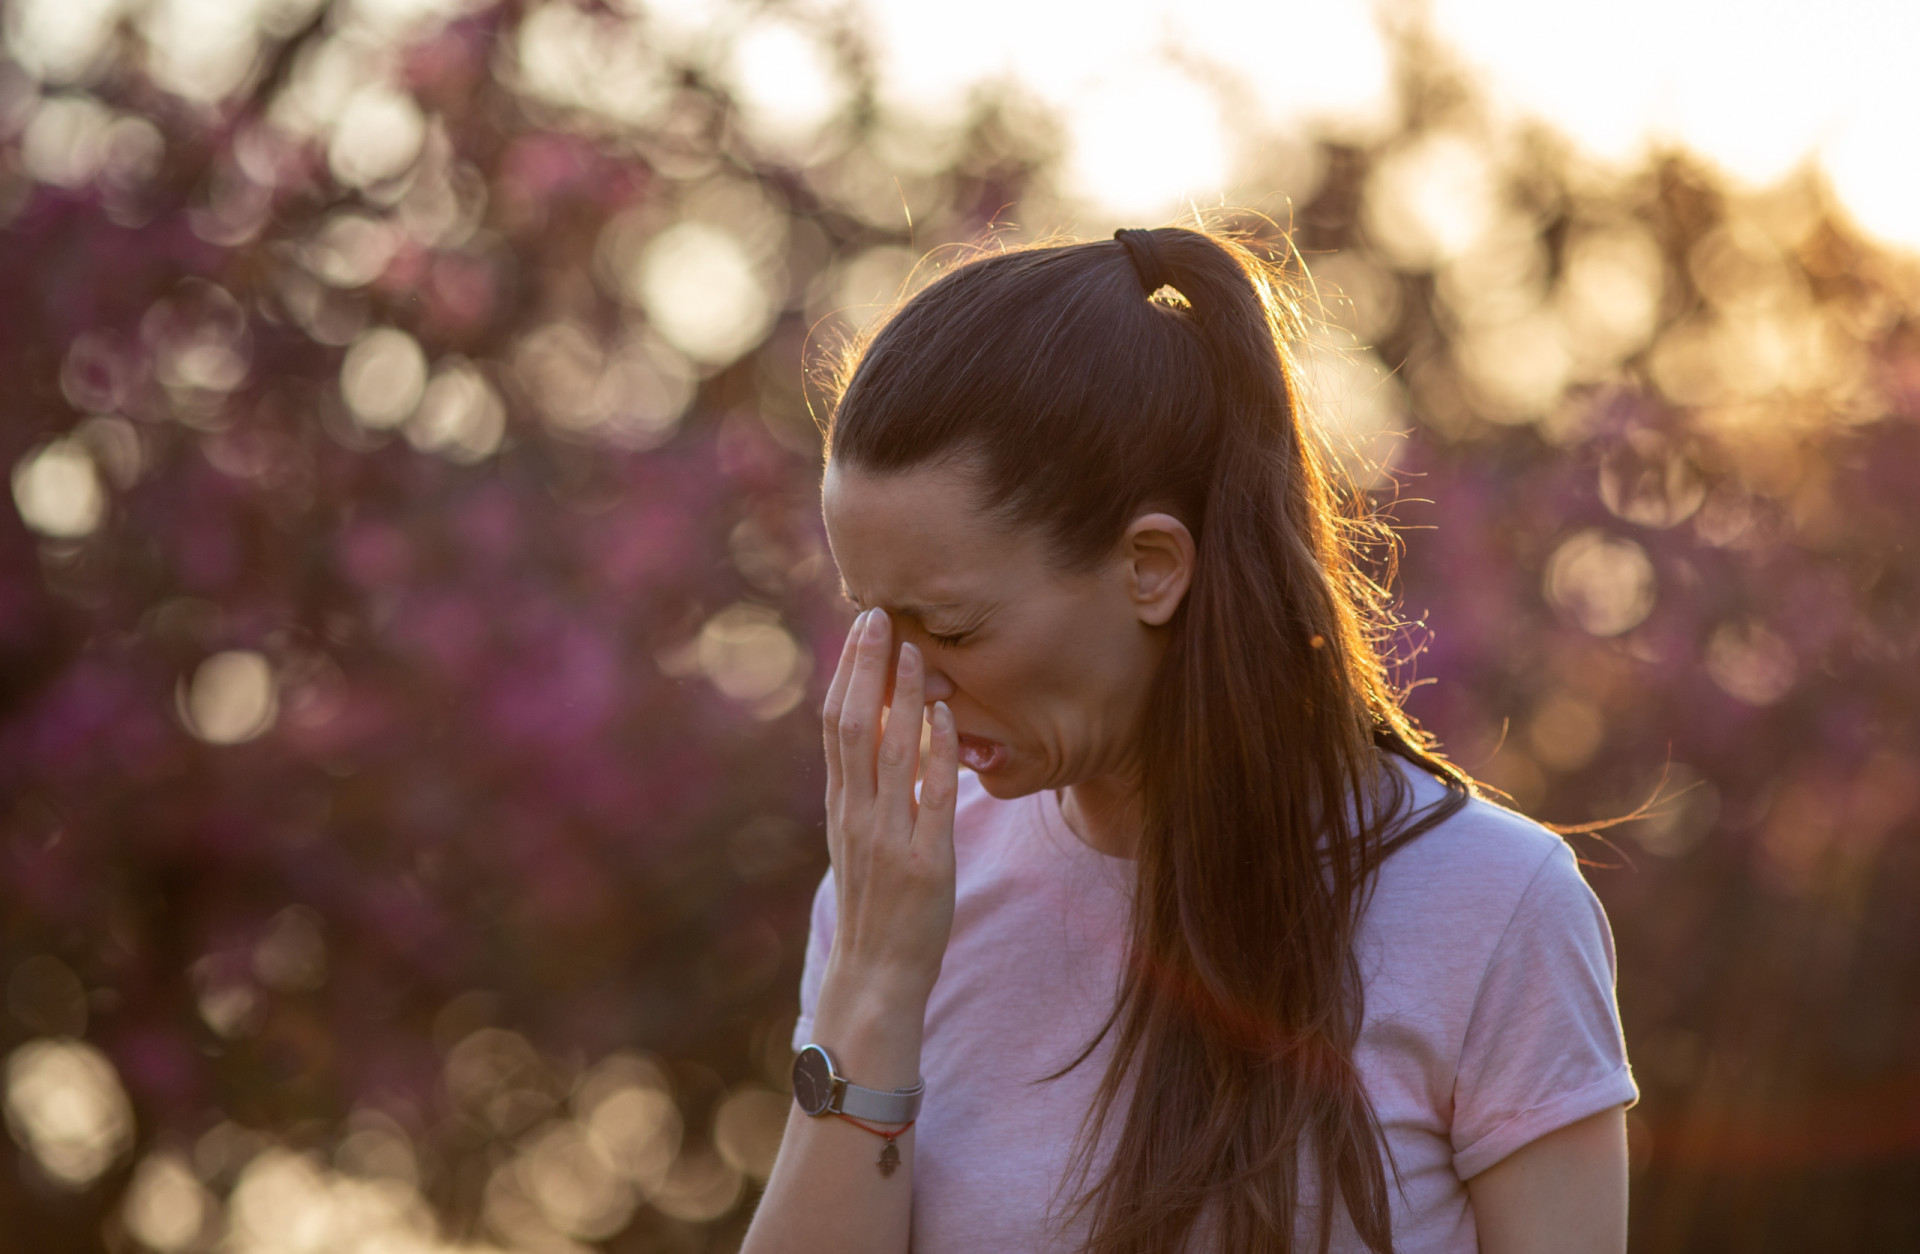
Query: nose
x=939, y=687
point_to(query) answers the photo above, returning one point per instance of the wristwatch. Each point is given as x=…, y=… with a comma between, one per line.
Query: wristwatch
x=821, y=1090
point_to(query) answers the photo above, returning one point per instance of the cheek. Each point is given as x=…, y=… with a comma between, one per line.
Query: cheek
x=1051, y=681
x=1060, y=666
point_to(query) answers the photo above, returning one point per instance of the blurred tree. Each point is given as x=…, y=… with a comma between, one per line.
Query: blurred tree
x=414, y=591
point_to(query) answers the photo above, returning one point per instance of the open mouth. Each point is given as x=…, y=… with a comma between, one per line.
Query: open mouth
x=981, y=756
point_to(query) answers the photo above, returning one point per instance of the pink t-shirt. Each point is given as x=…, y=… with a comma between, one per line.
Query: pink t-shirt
x=1490, y=1017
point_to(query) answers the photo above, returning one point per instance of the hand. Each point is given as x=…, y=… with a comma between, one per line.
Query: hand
x=892, y=855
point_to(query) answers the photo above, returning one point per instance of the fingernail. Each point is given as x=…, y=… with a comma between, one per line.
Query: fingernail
x=875, y=629
x=909, y=659
x=942, y=716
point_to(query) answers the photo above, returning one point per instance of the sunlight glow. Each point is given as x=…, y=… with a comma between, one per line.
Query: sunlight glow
x=1298, y=60
x=785, y=82
x=1873, y=162
x=1360, y=409
x=1143, y=142
x=1144, y=88
x=1759, y=87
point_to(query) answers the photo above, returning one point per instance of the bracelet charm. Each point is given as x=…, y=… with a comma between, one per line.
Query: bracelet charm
x=889, y=1161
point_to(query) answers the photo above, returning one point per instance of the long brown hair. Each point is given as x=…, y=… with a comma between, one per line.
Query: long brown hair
x=1086, y=400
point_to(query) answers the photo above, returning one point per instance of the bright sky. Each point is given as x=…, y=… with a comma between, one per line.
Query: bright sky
x=1157, y=95
x=1758, y=86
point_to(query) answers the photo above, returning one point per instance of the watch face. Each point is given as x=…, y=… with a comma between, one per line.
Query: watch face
x=813, y=1080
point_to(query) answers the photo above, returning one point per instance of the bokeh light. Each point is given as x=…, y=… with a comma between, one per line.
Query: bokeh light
x=167, y=1208
x=699, y=287
x=1604, y=583
x=1431, y=200
x=748, y=1127
x=377, y=138
x=1751, y=663
x=60, y=42
x=750, y=657
x=383, y=377
x=66, y=1106
x=1566, y=731
x=231, y=698
x=460, y=415
x=58, y=491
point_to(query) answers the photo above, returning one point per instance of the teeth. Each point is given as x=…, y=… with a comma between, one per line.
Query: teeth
x=976, y=756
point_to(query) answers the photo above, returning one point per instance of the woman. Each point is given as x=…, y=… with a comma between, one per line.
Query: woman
x=1206, y=950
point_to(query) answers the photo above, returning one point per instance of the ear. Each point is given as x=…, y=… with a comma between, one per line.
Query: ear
x=1158, y=551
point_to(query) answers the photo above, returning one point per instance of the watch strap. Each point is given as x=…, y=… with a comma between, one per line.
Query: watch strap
x=878, y=1105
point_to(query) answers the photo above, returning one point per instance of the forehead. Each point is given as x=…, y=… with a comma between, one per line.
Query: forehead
x=918, y=538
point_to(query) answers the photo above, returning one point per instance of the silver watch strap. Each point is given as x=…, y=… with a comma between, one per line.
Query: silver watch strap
x=879, y=1106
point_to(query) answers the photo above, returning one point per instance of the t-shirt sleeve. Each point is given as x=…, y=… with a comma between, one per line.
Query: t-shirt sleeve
x=1543, y=1047
x=819, y=945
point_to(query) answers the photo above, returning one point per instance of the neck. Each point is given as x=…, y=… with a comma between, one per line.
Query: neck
x=1105, y=814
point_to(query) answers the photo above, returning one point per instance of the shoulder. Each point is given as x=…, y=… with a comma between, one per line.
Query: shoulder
x=1480, y=839
x=1471, y=873
x=1483, y=940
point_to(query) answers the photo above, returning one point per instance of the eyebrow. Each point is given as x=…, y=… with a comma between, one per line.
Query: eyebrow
x=906, y=609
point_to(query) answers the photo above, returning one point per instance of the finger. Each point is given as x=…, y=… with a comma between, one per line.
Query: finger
x=899, y=758
x=941, y=783
x=859, y=728
x=837, y=697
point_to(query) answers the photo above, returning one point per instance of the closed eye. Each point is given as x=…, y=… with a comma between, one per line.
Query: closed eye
x=948, y=642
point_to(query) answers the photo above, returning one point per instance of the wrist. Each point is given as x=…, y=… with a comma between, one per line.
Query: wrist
x=879, y=989
x=874, y=1033
x=820, y=1088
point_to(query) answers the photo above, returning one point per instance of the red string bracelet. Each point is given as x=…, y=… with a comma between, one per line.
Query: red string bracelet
x=889, y=1153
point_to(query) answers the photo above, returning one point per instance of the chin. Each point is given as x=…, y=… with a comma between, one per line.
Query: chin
x=1007, y=783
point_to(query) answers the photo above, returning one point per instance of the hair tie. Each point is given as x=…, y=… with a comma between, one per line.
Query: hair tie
x=1145, y=255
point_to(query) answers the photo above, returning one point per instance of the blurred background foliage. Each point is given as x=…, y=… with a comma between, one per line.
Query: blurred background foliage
x=413, y=605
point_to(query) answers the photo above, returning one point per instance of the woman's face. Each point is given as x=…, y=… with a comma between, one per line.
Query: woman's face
x=1047, y=673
